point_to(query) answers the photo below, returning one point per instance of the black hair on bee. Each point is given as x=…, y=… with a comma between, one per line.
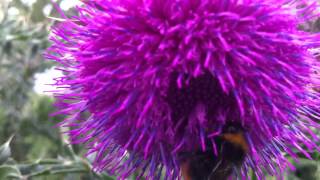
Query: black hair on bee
x=206, y=165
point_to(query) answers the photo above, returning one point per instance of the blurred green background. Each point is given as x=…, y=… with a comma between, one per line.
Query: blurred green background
x=32, y=147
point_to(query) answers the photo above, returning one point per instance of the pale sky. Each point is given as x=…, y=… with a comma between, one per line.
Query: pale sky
x=65, y=4
x=43, y=79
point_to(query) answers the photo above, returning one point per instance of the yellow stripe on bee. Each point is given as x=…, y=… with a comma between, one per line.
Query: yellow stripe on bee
x=237, y=139
x=185, y=168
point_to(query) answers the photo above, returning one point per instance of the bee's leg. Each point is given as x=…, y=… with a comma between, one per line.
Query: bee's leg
x=236, y=171
x=214, y=169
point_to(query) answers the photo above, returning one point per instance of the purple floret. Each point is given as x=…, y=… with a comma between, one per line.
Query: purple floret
x=160, y=77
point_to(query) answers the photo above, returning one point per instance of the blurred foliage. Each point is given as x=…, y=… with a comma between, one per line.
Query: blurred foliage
x=21, y=44
x=32, y=148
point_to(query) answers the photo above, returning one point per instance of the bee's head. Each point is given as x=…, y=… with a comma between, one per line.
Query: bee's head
x=233, y=134
x=232, y=128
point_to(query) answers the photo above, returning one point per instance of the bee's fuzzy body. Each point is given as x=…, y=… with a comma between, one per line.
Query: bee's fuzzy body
x=206, y=165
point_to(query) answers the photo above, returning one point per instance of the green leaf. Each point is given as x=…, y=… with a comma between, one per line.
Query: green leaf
x=306, y=169
x=5, y=151
x=9, y=172
x=106, y=177
x=37, y=13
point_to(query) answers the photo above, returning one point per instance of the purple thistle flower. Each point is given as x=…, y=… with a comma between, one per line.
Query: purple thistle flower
x=161, y=77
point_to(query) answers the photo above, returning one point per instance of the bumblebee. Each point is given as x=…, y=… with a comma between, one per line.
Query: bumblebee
x=207, y=165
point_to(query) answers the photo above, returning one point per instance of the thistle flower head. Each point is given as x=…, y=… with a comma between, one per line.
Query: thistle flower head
x=161, y=77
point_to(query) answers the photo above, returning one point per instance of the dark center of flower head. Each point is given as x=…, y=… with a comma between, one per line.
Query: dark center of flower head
x=206, y=90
